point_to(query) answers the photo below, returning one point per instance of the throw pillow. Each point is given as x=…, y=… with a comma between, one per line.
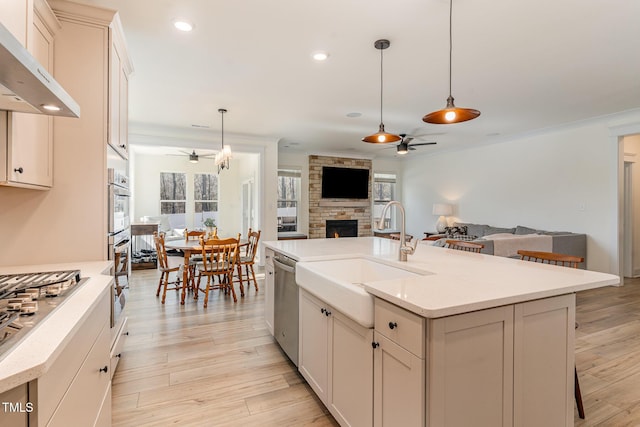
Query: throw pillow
x=474, y=229
x=456, y=230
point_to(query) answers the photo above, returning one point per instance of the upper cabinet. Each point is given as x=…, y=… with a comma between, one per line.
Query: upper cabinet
x=92, y=42
x=26, y=148
x=119, y=70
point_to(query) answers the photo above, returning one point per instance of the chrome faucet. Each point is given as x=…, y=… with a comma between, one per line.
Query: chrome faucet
x=404, y=247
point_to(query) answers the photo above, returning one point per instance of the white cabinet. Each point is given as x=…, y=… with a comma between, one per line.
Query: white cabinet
x=471, y=369
x=96, y=70
x=15, y=16
x=313, y=359
x=399, y=367
x=27, y=139
x=505, y=366
x=119, y=70
x=75, y=387
x=335, y=357
x=268, y=289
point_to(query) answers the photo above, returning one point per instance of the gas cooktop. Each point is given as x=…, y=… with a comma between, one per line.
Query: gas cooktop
x=26, y=299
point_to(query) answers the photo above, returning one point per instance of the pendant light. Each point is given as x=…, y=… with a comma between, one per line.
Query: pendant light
x=381, y=137
x=451, y=113
x=224, y=155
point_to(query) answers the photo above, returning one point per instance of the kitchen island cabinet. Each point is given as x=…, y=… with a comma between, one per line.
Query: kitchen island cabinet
x=336, y=359
x=473, y=340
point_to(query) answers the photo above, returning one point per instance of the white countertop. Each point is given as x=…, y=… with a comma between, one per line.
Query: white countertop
x=461, y=281
x=36, y=352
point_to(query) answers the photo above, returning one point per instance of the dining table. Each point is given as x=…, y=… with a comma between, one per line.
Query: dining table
x=188, y=247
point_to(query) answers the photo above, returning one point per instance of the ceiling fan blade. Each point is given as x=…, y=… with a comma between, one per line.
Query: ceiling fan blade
x=423, y=143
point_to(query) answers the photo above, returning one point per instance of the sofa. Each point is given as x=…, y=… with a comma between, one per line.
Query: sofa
x=507, y=241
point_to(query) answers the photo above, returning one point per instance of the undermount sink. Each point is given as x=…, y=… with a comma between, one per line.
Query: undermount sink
x=339, y=283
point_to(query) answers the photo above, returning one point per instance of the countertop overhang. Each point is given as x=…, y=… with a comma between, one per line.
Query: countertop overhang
x=33, y=356
x=460, y=281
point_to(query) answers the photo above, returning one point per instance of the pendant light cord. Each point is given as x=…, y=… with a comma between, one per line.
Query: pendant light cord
x=450, y=42
x=381, y=80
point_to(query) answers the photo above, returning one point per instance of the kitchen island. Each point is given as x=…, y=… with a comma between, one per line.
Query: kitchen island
x=469, y=339
x=58, y=373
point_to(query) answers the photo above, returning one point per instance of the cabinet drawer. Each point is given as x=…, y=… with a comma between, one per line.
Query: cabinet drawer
x=54, y=384
x=83, y=400
x=116, y=350
x=401, y=326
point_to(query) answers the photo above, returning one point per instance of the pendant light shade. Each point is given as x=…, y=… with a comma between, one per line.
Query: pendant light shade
x=224, y=155
x=381, y=137
x=451, y=113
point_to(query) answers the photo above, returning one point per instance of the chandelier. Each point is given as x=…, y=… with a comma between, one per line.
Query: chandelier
x=224, y=155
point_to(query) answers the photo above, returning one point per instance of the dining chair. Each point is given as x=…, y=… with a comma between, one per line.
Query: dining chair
x=396, y=236
x=465, y=246
x=562, y=260
x=193, y=236
x=165, y=269
x=219, y=257
x=247, y=259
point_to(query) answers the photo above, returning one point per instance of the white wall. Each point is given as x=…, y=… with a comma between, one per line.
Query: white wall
x=561, y=180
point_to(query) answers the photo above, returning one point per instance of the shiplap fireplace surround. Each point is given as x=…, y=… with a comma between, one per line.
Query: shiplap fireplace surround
x=321, y=210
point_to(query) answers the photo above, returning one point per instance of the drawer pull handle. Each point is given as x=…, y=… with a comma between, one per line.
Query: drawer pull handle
x=322, y=310
x=122, y=146
x=327, y=313
x=19, y=170
x=105, y=369
x=393, y=325
x=375, y=345
x=119, y=355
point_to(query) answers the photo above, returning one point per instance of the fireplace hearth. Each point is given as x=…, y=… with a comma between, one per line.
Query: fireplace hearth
x=341, y=228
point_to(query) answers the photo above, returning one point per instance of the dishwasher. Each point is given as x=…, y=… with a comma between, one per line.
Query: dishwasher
x=285, y=305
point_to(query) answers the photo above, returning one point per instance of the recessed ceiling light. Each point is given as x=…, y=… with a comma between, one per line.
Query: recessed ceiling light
x=354, y=114
x=183, y=24
x=320, y=56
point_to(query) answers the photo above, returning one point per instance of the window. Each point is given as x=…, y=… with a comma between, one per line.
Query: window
x=205, y=196
x=173, y=197
x=384, y=189
x=289, y=183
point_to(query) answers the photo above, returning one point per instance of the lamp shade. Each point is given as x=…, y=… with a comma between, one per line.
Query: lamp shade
x=442, y=209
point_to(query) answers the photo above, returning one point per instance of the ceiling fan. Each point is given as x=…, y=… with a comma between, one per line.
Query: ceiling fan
x=405, y=145
x=193, y=157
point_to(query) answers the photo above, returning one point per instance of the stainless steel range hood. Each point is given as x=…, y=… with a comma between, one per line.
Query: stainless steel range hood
x=25, y=85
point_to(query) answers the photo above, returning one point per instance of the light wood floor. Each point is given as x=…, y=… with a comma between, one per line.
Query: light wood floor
x=186, y=365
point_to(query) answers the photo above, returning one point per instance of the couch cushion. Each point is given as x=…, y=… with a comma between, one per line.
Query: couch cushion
x=473, y=229
x=455, y=230
x=497, y=230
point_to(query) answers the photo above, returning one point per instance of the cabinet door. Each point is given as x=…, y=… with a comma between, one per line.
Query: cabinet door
x=313, y=342
x=544, y=362
x=268, y=296
x=118, y=98
x=351, y=372
x=398, y=385
x=471, y=369
x=14, y=15
x=30, y=136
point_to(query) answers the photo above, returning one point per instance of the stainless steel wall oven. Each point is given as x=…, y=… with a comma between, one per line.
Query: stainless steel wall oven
x=119, y=237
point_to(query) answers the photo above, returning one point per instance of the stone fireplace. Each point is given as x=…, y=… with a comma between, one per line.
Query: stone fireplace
x=322, y=211
x=341, y=228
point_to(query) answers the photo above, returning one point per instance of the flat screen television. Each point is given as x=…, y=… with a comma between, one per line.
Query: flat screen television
x=345, y=183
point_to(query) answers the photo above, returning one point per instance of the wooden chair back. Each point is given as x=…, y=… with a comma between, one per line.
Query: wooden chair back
x=465, y=246
x=161, y=250
x=551, y=258
x=193, y=235
x=252, y=246
x=219, y=256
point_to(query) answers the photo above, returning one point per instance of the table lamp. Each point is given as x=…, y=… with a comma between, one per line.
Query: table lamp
x=443, y=210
